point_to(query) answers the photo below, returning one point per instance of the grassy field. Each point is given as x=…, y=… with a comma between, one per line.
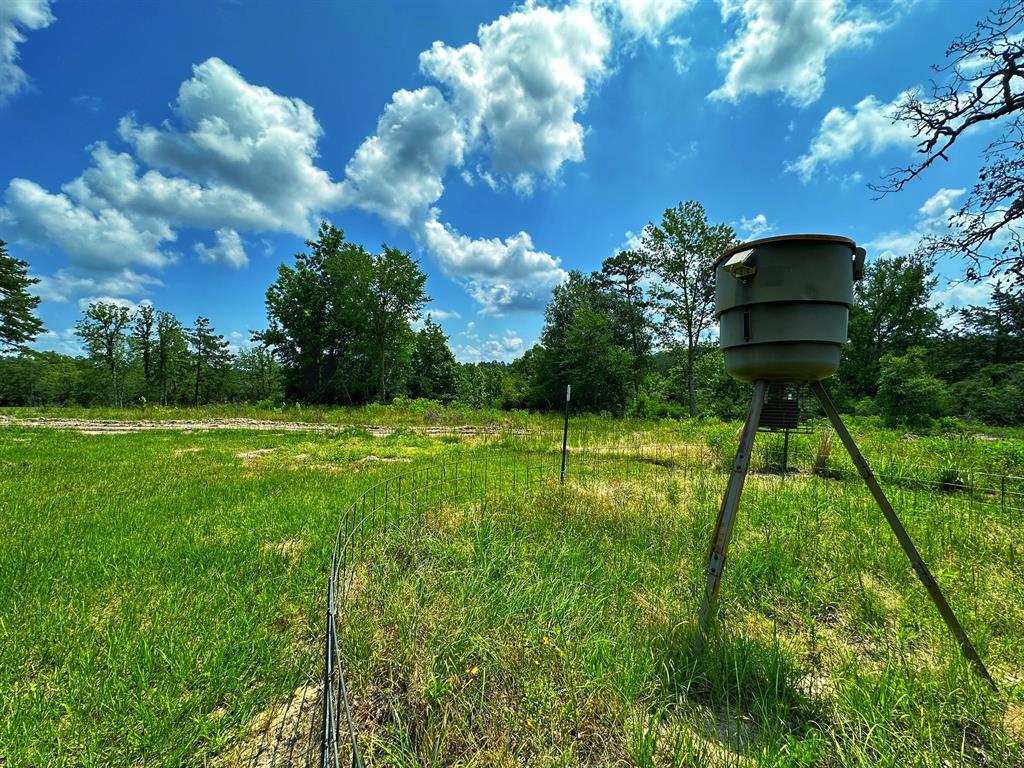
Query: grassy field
x=163, y=588
x=553, y=628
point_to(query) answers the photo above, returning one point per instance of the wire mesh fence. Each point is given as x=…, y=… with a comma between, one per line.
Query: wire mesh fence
x=317, y=726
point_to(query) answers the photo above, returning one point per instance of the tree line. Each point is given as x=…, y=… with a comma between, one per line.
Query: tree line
x=347, y=326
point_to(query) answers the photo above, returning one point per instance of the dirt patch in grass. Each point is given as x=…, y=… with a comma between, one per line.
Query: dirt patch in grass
x=113, y=427
x=285, y=734
x=248, y=456
x=385, y=459
x=1013, y=721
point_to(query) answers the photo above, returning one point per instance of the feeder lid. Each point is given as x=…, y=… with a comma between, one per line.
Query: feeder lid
x=781, y=238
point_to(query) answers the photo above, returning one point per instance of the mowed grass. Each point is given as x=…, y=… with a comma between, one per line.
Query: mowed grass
x=553, y=628
x=160, y=589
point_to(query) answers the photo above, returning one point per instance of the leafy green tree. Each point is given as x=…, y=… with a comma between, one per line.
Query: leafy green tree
x=582, y=345
x=339, y=319
x=482, y=385
x=996, y=331
x=18, y=323
x=395, y=297
x=682, y=251
x=718, y=393
x=907, y=391
x=171, y=355
x=434, y=370
x=102, y=330
x=210, y=356
x=143, y=328
x=314, y=309
x=260, y=377
x=49, y=378
x=624, y=274
x=892, y=312
x=993, y=395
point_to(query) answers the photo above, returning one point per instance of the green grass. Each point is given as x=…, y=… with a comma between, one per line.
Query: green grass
x=553, y=628
x=162, y=589
x=159, y=589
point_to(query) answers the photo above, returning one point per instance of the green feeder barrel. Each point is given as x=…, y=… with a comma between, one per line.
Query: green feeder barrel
x=783, y=305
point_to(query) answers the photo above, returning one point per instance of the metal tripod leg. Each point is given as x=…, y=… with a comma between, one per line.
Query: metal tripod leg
x=727, y=513
x=920, y=567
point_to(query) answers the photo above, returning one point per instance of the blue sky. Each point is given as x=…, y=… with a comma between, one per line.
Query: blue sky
x=178, y=152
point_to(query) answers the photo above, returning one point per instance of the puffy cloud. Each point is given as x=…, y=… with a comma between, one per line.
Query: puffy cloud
x=783, y=45
x=518, y=90
x=240, y=159
x=869, y=129
x=474, y=349
x=501, y=275
x=16, y=16
x=397, y=173
x=631, y=242
x=244, y=137
x=114, y=180
x=932, y=219
x=227, y=250
x=514, y=258
x=753, y=227
x=649, y=18
x=103, y=237
x=64, y=284
x=939, y=207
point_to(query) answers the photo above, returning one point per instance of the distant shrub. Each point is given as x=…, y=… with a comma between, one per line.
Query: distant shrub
x=865, y=407
x=907, y=393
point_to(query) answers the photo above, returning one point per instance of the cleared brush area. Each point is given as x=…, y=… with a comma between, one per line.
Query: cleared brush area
x=164, y=593
x=553, y=627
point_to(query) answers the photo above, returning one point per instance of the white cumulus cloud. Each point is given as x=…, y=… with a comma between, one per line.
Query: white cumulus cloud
x=753, y=227
x=60, y=286
x=784, y=45
x=518, y=90
x=473, y=349
x=649, y=18
x=237, y=158
x=17, y=17
x=868, y=129
x=398, y=172
x=932, y=219
x=103, y=237
x=501, y=275
x=227, y=250
x=244, y=137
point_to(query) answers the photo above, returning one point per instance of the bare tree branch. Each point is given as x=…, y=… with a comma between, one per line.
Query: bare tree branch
x=982, y=83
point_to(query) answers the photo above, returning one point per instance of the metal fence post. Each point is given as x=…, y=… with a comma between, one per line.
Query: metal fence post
x=565, y=431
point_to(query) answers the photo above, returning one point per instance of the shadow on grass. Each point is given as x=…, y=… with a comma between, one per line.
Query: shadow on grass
x=745, y=694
